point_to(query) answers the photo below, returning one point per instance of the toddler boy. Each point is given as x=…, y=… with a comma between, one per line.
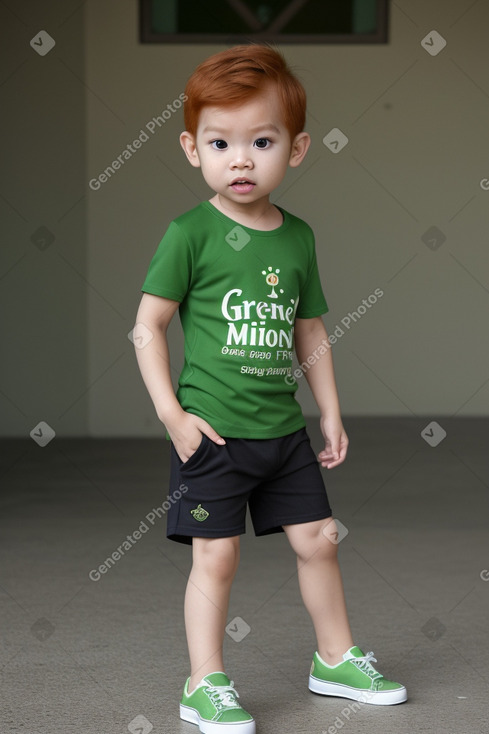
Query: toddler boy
x=243, y=274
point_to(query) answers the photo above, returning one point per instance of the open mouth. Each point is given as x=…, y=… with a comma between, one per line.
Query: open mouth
x=242, y=185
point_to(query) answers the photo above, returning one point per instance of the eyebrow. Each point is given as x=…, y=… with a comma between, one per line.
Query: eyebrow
x=265, y=127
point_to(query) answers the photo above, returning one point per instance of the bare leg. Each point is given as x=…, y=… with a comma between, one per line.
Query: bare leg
x=321, y=587
x=215, y=561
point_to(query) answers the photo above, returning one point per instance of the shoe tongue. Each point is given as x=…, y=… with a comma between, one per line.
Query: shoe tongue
x=217, y=679
x=353, y=652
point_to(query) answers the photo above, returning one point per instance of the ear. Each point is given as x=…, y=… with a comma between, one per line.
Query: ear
x=187, y=141
x=300, y=146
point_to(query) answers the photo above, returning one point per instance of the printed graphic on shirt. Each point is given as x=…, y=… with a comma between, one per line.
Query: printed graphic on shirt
x=273, y=280
x=267, y=325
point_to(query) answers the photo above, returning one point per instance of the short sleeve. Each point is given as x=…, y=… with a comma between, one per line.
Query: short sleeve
x=311, y=299
x=170, y=271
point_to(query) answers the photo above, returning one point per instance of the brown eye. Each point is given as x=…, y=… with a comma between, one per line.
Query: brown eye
x=262, y=143
x=219, y=144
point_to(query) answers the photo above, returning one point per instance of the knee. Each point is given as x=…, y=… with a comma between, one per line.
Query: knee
x=316, y=541
x=217, y=557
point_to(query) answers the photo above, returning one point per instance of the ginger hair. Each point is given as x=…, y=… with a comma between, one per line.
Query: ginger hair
x=232, y=77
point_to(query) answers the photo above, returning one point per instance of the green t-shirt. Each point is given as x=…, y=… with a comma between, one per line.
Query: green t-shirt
x=240, y=290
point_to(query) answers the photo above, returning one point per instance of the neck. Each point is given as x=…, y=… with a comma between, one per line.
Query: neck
x=261, y=214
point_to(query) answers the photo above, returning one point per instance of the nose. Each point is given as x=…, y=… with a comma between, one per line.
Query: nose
x=241, y=160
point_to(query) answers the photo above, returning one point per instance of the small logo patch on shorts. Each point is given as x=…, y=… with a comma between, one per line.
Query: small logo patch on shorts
x=199, y=513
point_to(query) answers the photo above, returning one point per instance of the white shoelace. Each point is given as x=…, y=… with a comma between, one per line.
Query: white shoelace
x=223, y=697
x=365, y=665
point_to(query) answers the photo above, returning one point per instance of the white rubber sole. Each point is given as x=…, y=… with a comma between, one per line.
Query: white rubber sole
x=211, y=727
x=378, y=698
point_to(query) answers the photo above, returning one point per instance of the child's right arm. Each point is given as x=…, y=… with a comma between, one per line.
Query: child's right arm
x=185, y=429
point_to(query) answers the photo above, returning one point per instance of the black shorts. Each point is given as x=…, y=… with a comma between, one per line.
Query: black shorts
x=279, y=478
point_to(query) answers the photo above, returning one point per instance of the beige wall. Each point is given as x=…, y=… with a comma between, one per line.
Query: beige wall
x=43, y=283
x=417, y=128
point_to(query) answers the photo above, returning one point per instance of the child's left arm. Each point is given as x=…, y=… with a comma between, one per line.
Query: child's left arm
x=310, y=335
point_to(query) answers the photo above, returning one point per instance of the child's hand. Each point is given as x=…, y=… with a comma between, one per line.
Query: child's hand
x=186, y=434
x=336, y=443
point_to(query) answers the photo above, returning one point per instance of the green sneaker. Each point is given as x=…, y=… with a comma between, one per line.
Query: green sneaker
x=355, y=678
x=213, y=705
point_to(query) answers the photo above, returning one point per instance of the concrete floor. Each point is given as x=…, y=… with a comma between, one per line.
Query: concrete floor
x=107, y=656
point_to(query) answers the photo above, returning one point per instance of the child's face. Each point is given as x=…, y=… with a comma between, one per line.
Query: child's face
x=244, y=151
